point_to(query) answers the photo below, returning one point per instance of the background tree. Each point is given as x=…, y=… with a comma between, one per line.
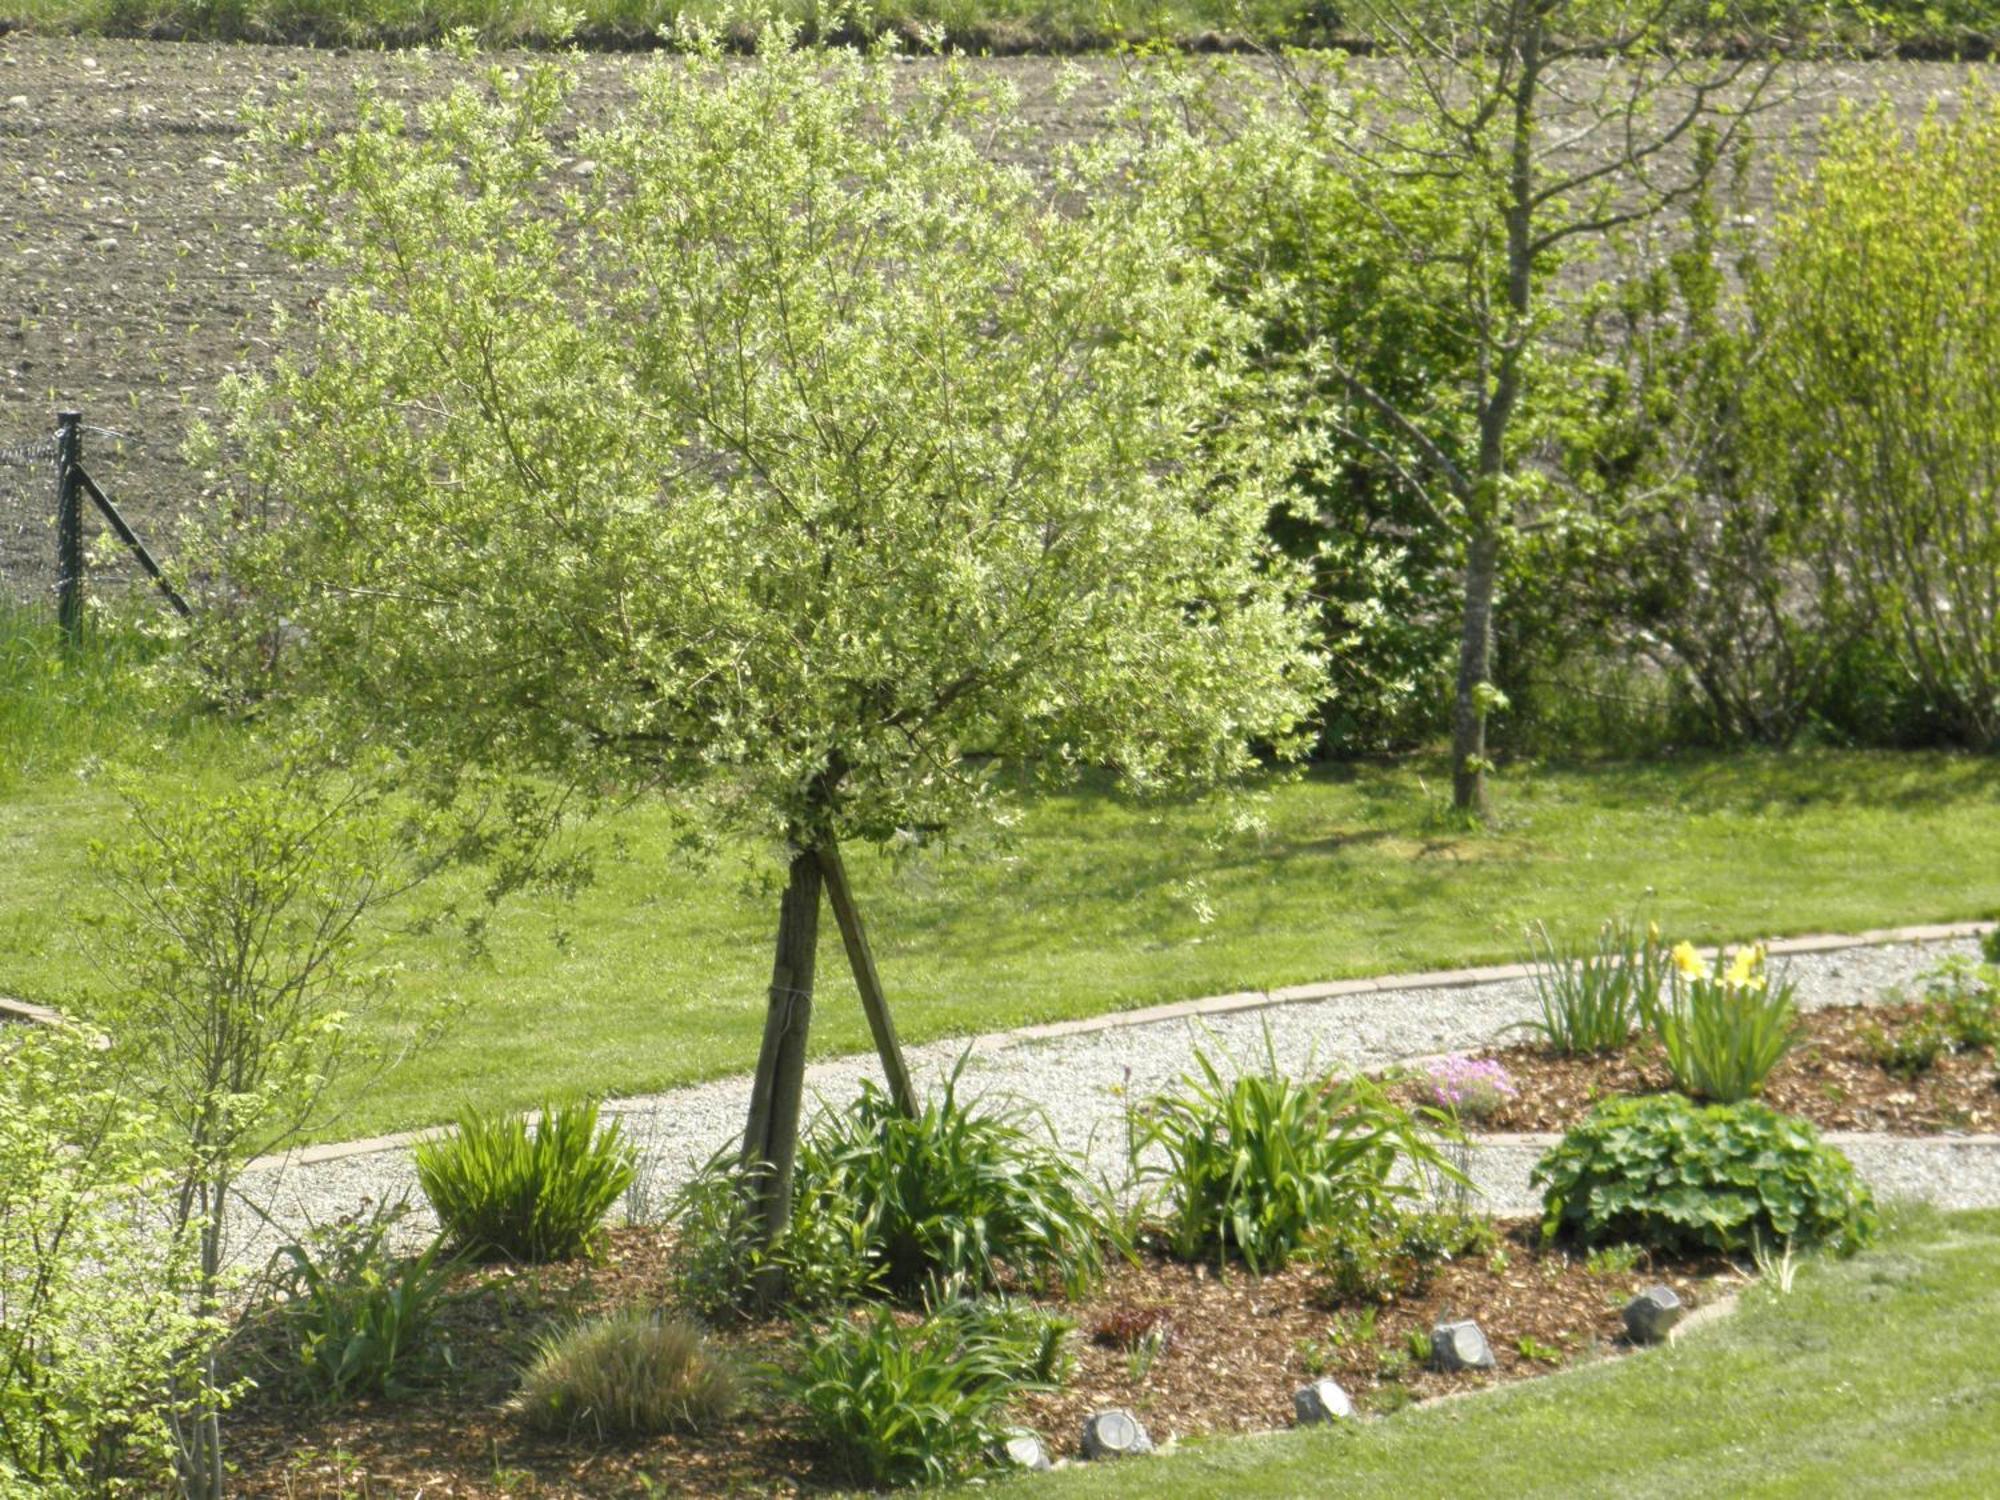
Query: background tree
x=1266, y=201
x=799, y=453
x=1548, y=129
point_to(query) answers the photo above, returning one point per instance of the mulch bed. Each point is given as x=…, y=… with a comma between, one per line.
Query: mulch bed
x=1231, y=1350
x=1831, y=1077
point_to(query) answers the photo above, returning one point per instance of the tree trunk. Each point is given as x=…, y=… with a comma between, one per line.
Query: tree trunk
x=771, y=1137
x=1489, y=512
x=881, y=1025
x=1475, y=665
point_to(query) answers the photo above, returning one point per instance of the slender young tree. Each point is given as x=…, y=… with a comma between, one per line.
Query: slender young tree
x=234, y=941
x=1550, y=129
x=776, y=444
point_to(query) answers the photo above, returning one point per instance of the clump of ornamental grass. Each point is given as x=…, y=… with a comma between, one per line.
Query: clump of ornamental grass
x=506, y=1190
x=633, y=1373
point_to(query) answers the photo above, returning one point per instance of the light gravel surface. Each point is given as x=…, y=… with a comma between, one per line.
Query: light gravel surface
x=1079, y=1081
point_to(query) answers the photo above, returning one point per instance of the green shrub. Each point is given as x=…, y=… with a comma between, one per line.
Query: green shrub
x=1591, y=998
x=94, y=1327
x=1256, y=1163
x=900, y=1402
x=1872, y=392
x=1724, y=1030
x=1667, y=1174
x=507, y=1192
x=633, y=1373
x=356, y=1317
x=1989, y=945
x=1378, y=1259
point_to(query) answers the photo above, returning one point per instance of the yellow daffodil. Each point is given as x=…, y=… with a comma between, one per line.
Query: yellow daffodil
x=1743, y=968
x=1689, y=962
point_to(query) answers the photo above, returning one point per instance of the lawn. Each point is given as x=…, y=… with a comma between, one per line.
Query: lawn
x=654, y=977
x=1876, y=1376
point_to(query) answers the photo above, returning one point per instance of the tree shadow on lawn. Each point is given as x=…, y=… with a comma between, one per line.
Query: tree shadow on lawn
x=1772, y=782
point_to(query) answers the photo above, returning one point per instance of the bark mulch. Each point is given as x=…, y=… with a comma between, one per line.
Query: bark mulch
x=1831, y=1077
x=1229, y=1350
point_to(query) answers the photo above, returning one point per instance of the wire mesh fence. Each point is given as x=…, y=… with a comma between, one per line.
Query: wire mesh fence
x=46, y=562
x=29, y=482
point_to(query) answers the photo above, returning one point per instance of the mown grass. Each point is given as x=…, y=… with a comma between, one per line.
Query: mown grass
x=654, y=976
x=1929, y=28
x=1875, y=1376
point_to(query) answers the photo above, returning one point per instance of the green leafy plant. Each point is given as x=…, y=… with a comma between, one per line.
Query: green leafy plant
x=1254, y=1163
x=948, y=1194
x=889, y=1204
x=238, y=936
x=1358, y=1329
x=720, y=1255
x=1531, y=1348
x=897, y=1402
x=1031, y=1339
x=1592, y=997
x=632, y=1373
x=1725, y=1028
x=507, y=1191
x=1965, y=999
x=1613, y=1260
x=1378, y=1259
x=1910, y=1050
x=357, y=1317
x=1667, y=1174
x=1417, y=1343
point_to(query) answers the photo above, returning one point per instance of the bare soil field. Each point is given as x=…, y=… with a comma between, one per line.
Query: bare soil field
x=134, y=275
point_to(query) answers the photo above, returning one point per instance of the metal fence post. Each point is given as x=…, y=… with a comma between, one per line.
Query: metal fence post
x=69, y=523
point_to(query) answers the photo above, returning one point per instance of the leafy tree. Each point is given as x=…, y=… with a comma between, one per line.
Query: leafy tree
x=1549, y=128
x=1267, y=199
x=776, y=443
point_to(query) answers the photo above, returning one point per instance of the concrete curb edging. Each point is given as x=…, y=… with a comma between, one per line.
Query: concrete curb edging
x=1438, y=979
x=1256, y=1000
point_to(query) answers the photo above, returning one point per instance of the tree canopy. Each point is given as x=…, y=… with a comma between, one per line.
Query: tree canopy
x=775, y=437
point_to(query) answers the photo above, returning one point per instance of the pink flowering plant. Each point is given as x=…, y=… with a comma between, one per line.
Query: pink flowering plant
x=1471, y=1088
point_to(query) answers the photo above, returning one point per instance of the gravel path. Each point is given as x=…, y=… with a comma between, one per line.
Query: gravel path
x=1079, y=1074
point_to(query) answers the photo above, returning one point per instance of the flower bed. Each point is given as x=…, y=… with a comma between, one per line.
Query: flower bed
x=1231, y=1351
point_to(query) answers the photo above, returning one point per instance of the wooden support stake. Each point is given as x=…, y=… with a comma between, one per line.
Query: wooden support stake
x=862, y=961
x=771, y=1134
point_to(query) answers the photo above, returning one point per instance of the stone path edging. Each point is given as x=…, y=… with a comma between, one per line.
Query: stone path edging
x=1256, y=1000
